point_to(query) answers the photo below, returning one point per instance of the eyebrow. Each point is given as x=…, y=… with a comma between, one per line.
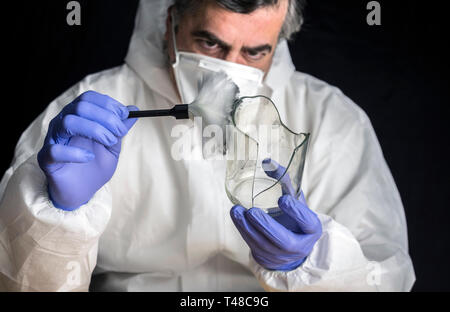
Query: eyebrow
x=213, y=38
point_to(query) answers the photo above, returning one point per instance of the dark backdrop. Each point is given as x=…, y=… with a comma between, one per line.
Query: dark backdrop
x=396, y=72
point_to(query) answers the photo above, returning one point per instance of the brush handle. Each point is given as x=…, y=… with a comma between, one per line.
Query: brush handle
x=179, y=111
x=149, y=113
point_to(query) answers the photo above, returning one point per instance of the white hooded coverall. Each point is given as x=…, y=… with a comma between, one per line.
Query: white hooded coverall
x=164, y=225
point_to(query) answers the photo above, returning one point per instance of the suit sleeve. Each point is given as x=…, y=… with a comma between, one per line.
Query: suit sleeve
x=43, y=248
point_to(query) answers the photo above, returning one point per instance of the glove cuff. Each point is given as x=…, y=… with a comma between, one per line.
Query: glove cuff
x=290, y=266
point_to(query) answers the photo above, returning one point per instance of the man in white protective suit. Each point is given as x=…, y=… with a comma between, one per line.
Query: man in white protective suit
x=74, y=216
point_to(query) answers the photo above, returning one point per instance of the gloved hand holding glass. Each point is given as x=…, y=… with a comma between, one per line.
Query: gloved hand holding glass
x=282, y=231
x=82, y=147
x=284, y=241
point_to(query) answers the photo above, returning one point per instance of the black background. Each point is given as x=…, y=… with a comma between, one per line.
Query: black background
x=396, y=72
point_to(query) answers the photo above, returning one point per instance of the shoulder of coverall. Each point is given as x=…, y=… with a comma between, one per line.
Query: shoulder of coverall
x=111, y=81
x=325, y=99
x=331, y=117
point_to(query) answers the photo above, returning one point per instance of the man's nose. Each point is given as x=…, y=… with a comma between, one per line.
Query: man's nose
x=235, y=57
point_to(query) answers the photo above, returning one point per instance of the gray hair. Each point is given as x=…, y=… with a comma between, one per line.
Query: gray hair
x=292, y=22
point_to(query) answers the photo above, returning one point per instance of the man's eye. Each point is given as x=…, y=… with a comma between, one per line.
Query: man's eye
x=255, y=56
x=208, y=44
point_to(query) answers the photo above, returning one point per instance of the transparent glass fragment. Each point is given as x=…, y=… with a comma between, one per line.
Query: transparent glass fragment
x=257, y=134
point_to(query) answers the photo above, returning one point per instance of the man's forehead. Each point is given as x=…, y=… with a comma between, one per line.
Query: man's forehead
x=256, y=28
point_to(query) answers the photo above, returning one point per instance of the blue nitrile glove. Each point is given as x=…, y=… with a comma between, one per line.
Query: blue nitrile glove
x=82, y=147
x=283, y=242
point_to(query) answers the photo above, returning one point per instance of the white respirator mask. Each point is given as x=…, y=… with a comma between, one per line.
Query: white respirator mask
x=189, y=69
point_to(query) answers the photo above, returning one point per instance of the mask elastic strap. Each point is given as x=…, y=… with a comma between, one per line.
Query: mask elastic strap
x=173, y=38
